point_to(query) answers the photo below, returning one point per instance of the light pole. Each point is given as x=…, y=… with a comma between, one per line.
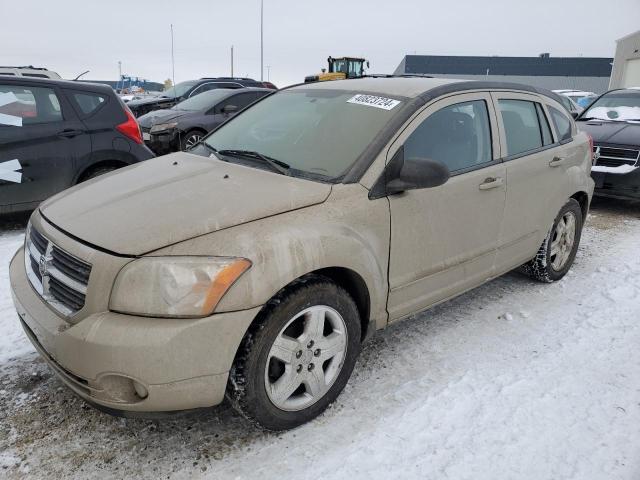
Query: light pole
x=261, y=40
x=268, y=67
x=173, y=65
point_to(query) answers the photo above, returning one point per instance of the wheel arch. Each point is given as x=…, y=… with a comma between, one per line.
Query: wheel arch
x=96, y=166
x=583, y=200
x=355, y=286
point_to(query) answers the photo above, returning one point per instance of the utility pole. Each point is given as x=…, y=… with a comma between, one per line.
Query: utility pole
x=261, y=40
x=119, y=74
x=268, y=67
x=173, y=65
x=231, y=61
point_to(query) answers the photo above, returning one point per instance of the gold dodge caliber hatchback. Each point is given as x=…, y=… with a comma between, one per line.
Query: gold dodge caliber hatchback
x=254, y=265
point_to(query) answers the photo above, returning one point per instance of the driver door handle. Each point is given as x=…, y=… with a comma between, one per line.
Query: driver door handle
x=557, y=161
x=70, y=133
x=491, y=182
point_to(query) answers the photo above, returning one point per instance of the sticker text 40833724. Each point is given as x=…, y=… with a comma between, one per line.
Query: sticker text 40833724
x=374, y=101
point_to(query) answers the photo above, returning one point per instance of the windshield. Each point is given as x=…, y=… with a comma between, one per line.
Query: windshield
x=179, y=90
x=618, y=106
x=202, y=101
x=320, y=132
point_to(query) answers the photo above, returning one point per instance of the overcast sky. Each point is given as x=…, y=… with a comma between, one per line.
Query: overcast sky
x=70, y=36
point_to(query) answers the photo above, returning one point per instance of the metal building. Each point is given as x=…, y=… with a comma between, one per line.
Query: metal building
x=626, y=64
x=579, y=73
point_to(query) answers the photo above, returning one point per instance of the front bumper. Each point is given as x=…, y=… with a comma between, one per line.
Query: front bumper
x=129, y=363
x=165, y=142
x=617, y=185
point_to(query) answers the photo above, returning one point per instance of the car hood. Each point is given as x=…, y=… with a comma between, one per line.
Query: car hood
x=160, y=116
x=619, y=133
x=169, y=199
x=149, y=101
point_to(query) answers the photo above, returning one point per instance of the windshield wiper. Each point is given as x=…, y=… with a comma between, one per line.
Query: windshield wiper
x=587, y=119
x=214, y=152
x=277, y=165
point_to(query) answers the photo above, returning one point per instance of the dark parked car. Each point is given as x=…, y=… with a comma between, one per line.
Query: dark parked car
x=57, y=133
x=184, y=125
x=613, y=120
x=188, y=89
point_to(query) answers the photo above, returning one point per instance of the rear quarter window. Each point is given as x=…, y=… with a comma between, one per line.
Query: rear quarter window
x=88, y=102
x=562, y=124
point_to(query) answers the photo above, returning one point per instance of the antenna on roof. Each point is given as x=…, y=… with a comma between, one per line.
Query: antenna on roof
x=83, y=73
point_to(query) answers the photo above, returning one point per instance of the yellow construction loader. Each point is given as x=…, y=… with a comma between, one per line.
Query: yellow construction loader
x=339, y=69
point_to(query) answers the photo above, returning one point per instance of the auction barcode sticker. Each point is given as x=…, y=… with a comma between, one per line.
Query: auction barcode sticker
x=374, y=101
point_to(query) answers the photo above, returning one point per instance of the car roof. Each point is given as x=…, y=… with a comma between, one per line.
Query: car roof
x=91, y=87
x=632, y=90
x=425, y=88
x=232, y=91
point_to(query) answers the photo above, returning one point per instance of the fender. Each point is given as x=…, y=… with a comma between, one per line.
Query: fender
x=287, y=246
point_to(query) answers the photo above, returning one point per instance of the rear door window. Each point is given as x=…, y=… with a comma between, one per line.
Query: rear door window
x=88, y=102
x=562, y=124
x=458, y=136
x=522, y=128
x=242, y=100
x=26, y=105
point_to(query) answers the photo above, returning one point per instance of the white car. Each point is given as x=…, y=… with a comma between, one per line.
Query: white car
x=581, y=97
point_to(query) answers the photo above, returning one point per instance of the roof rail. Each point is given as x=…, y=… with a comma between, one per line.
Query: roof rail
x=31, y=67
x=228, y=78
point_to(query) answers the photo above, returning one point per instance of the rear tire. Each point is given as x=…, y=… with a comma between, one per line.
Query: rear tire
x=558, y=250
x=96, y=172
x=298, y=356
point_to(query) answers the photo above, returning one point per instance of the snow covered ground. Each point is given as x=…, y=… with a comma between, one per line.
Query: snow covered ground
x=513, y=380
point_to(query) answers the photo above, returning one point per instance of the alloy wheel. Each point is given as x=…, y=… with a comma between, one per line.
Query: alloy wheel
x=563, y=240
x=192, y=140
x=306, y=358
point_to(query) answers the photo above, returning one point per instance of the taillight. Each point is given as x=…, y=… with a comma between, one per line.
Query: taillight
x=130, y=128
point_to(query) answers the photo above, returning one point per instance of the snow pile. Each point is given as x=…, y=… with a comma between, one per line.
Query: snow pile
x=614, y=113
x=12, y=342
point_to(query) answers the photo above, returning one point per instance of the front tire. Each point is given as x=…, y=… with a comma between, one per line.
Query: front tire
x=191, y=139
x=298, y=356
x=558, y=250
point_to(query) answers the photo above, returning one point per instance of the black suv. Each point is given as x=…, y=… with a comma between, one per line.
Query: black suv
x=613, y=121
x=56, y=133
x=183, y=125
x=184, y=90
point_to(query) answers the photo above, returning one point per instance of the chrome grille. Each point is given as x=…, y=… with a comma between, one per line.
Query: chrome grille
x=615, y=157
x=59, y=277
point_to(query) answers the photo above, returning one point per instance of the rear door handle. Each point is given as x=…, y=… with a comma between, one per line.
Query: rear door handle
x=70, y=133
x=491, y=182
x=557, y=161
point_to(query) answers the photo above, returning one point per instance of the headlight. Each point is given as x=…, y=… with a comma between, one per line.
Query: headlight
x=161, y=127
x=175, y=286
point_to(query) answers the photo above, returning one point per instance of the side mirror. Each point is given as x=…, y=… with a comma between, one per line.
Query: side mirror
x=418, y=173
x=227, y=109
x=401, y=175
